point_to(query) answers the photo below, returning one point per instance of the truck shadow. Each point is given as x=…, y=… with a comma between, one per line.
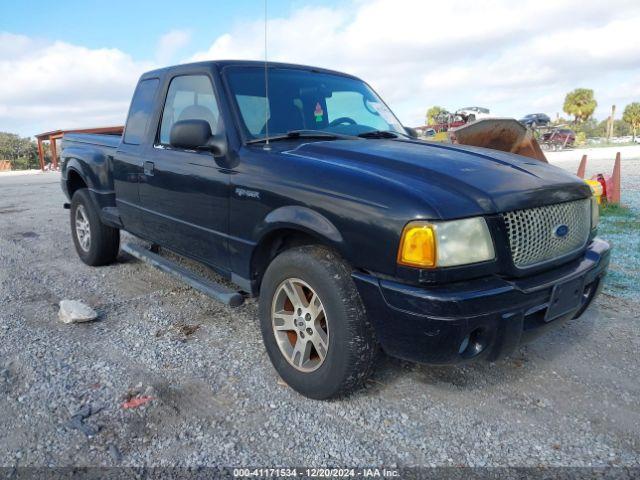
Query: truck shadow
x=535, y=358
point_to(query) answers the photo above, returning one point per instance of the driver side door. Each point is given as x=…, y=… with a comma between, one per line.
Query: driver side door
x=185, y=192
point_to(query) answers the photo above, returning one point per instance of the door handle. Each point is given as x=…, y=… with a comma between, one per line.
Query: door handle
x=149, y=168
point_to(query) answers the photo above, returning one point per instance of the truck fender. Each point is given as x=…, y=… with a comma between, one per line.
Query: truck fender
x=93, y=170
x=74, y=165
x=300, y=218
x=100, y=196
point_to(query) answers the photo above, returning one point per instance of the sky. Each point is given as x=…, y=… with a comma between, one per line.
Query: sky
x=76, y=64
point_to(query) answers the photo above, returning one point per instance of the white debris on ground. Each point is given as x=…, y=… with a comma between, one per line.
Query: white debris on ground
x=17, y=173
x=74, y=311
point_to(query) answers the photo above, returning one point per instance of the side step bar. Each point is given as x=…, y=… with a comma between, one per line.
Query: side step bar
x=209, y=288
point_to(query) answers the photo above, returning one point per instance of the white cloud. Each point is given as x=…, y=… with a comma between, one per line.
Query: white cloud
x=511, y=57
x=59, y=85
x=12, y=46
x=170, y=44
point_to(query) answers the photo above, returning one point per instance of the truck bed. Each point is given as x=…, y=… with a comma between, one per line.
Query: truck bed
x=102, y=140
x=88, y=156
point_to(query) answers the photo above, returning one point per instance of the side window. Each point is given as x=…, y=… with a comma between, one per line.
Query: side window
x=140, y=111
x=190, y=97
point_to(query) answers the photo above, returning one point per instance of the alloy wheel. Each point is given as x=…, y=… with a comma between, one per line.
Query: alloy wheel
x=300, y=325
x=83, y=229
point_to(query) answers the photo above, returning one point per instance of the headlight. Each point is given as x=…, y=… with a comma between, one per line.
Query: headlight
x=445, y=244
x=595, y=213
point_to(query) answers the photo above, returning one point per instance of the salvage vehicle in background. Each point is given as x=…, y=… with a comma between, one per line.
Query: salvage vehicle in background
x=558, y=139
x=534, y=120
x=353, y=234
x=445, y=121
x=428, y=133
x=471, y=114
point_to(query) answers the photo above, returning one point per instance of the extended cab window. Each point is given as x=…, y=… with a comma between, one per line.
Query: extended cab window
x=190, y=97
x=141, y=107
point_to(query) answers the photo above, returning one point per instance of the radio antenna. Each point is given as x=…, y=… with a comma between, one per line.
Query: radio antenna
x=266, y=84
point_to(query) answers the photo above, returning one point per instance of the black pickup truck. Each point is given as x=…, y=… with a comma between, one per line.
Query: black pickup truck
x=354, y=234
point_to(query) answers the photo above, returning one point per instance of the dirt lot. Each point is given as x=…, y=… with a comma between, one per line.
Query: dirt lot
x=570, y=398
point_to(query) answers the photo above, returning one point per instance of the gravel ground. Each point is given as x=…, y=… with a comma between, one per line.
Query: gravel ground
x=568, y=399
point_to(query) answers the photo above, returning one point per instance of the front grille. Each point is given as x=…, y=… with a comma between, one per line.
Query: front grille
x=533, y=233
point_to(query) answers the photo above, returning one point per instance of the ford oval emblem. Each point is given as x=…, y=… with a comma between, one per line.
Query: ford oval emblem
x=562, y=231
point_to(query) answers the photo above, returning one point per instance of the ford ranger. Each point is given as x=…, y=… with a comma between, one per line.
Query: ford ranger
x=306, y=191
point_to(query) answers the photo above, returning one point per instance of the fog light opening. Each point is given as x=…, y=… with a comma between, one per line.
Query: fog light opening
x=473, y=344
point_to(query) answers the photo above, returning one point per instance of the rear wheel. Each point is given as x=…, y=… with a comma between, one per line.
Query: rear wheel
x=313, y=323
x=96, y=243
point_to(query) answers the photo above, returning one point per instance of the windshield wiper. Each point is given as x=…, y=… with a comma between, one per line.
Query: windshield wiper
x=304, y=134
x=378, y=134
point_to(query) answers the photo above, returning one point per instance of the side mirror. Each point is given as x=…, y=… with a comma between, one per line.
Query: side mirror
x=195, y=134
x=412, y=132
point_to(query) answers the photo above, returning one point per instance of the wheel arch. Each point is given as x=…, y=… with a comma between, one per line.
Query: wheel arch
x=290, y=227
x=75, y=181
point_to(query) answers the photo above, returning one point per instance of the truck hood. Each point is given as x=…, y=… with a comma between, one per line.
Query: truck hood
x=455, y=180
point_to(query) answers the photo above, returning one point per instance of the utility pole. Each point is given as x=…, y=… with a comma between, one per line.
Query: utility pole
x=613, y=119
x=610, y=121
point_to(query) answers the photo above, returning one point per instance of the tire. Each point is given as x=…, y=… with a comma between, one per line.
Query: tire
x=341, y=326
x=103, y=242
x=471, y=118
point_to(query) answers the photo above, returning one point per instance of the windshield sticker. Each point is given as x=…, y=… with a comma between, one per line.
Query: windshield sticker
x=318, y=113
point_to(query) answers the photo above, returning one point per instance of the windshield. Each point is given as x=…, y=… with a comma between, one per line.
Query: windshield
x=307, y=100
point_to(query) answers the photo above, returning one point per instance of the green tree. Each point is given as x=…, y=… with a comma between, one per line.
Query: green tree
x=21, y=152
x=631, y=116
x=432, y=113
x=591, y=128
x=580, y=103
x=621, y=128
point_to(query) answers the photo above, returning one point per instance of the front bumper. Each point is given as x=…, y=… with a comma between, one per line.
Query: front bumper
x=482, y=318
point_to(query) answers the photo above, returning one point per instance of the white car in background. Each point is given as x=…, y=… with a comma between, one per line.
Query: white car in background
x=471, y=114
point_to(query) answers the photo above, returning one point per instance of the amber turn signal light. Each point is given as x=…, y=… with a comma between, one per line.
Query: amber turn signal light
x=418, y=246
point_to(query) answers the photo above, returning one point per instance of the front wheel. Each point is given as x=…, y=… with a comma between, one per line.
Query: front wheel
x=313, y=323
x=96, y=243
